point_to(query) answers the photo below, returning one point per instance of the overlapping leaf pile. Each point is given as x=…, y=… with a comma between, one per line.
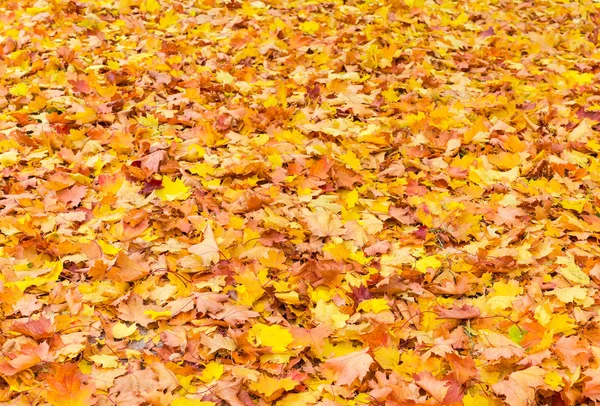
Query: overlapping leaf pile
x=299, y=203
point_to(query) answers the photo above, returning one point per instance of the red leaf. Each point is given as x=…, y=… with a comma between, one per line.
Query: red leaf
x=361, y=293
x=35, y=329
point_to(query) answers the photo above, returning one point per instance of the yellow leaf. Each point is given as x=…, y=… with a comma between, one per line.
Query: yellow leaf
x=543, y=313
x=427, y=262
x=105, y=361
x=19, y=90
x=225, y=78
x=309, y=27
x=553, y=379
x=562, y=323
x=269, y=386
x=578, y=78
x=568, y=295
x=275, y=159
x=276, y=337
x=212, y=372
x=352, y=198
x=576, y=205
x=414, y=3
x=351, y=161
x=165, y=314
x=9, y=158
x=202, y=169
x=391, y=95
x=329, y=313
x=83, y=117
x=54, y=269
x=168, y=19
x=271, y=102
x=106, y=91
x=512, y=288
x=387, y=357
x=151, y=6
x=120, y=330
x=373, y=305
x=476, y=400
x=107, y=248
x=572, y=271
x=505, y=160
x=149, y=121
x=173, y=190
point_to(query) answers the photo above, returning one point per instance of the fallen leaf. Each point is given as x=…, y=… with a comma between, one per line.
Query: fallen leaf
x=350, y=367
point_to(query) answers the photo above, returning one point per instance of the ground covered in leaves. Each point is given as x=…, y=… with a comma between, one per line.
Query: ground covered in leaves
x=299, y=203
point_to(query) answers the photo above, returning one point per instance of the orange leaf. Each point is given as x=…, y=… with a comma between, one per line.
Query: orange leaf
x=35, y=329
x=68, y=387
x=127, y=270
x=349, y=367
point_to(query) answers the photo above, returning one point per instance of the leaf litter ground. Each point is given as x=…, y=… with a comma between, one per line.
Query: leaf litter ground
x=299, y=203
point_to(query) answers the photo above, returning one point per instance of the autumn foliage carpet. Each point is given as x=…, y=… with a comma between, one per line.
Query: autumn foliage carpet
x=299, y=203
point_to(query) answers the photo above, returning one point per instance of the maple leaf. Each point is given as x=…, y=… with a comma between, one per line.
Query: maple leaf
x=350, y=367
x=127, y=270
x=463, y=368
x=134, y=310
x=461, y=313
x=323, y=223
x=508, y=216
x=519, y=388
x=313, y=338
x=592, y=386
x=228, y=391
x=36, y=329
x=442, y=391
x=271, y=388
x=69, y=387
x=234, y=315
x=27, y=356
x=208, y=249
x=151, y=162
x=573, y=352
x=72, y=196
x=276, y=337
x=173, y=190
x=361, y=293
